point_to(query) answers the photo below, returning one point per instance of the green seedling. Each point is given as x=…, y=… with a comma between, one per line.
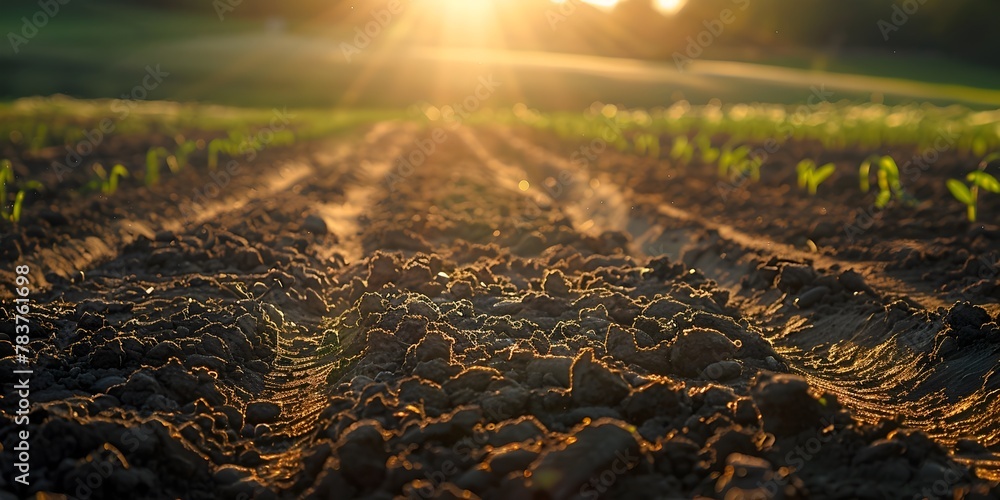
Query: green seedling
x=173, y=164
x=709, y=154
x=118, y=171
x=810, y=176
x=153, y=165
x=6, y=177
x=888, y=182
x=730, y=159
x=106, y=182
x=802, y=170
x=647, y=145
x=887, y=177
x=682, y=149
x=864, y=173
x=978, y=179
x=725, y=158
x=15, y=213
x=216, y=146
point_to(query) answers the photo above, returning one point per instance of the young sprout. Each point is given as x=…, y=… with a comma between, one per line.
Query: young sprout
x=864, y=173
x=117, y=171
x=803, y=169
x=153, y=165
x=682, y=149
x=888, y=181
x=639, y=144
x=6, y=177
x=214, y=147
x=173, y=164
x=978, y=179
x=810, y=176
x=730, y=159
x=15, y=214
x=725, y=158
x=709, y=154
x=108, y=183
x=647, y=144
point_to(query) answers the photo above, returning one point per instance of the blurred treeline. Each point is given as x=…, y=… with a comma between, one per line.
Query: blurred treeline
x=965, y=29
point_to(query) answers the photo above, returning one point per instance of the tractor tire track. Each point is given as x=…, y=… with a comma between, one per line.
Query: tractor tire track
x=343, y=194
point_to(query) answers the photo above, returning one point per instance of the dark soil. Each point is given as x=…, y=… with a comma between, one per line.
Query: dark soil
x=334, y=325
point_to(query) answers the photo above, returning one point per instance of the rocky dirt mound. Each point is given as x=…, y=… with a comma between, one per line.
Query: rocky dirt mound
x=538, y=382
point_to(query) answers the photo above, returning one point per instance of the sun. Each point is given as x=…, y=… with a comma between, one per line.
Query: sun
x=664, y=6
x=670, y=6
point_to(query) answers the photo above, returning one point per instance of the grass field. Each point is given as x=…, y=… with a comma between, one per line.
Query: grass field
x=239, y=62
